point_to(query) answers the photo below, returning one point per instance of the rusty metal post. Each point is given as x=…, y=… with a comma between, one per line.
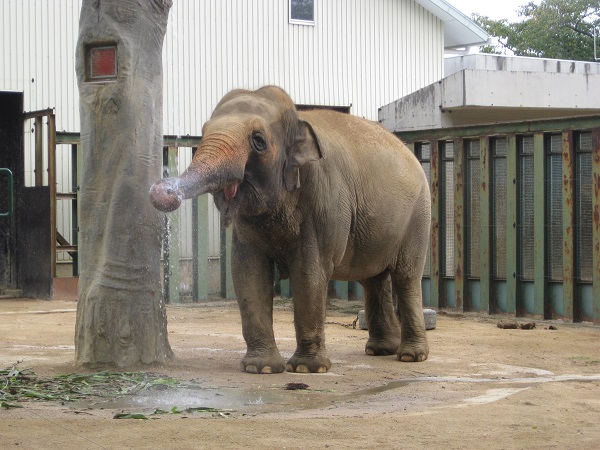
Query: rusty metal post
x=539, y=244
x=487, y=293
x=596, y=225
x=462, y=297
x=52, y=188
x=568, y=219
x=512, y=206
x=435, y=226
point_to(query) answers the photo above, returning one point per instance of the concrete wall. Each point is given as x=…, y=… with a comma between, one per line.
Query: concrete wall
x=481, y=89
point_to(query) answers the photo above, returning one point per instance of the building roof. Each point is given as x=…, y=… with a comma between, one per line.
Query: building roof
x=459, y=30
x=487, y=89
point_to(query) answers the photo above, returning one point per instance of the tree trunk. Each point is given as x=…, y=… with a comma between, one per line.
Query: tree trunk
x=121, y=316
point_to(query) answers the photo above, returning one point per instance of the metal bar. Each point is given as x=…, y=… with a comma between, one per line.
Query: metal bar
x=537, y=126
x=71, y=249
x=66, y=196
x=78, y=165
x=39, y=113
x=75, y=162
x=10, y=193
x=39, y=155
x=512, y=207
x=539, y=244
x=181, y=141
x=462, y=297
x=172, y=236
x=227, y=290
x=435, y=300
x=355, y=291
x=596, y=225
x=200, y=247
x=341, y=289
x=66, y=138
x=568, y=219
x=487, y=294
x=286, y=288
x=52, y=186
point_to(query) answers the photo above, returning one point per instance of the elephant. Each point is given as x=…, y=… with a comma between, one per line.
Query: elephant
x=319, y=195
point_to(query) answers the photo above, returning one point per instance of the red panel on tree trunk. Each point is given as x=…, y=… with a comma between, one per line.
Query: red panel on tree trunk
x=103, y=62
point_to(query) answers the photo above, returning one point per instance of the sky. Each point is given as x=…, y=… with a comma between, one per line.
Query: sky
x=495, y=10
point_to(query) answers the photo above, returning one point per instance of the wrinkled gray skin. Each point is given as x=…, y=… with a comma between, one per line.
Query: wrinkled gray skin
x=321, y=195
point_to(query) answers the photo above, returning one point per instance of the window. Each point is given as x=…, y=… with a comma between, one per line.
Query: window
x=302, y=12
x=423, y=152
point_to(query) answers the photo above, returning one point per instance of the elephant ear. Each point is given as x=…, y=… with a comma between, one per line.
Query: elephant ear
x=303, y=146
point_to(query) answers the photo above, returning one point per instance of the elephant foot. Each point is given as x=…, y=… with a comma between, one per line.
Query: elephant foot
x=413, y=351
x=382, y=347
x=261, y=364
x=316, y=364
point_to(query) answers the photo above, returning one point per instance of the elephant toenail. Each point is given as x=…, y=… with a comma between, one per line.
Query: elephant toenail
x=302, y=369
x=266, y=369
x=251, y=369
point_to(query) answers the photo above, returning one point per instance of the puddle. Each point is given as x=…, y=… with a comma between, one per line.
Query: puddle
x=231, y=399
x=238, y=400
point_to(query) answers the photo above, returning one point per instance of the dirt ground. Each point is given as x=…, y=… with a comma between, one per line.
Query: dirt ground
x=482, y=387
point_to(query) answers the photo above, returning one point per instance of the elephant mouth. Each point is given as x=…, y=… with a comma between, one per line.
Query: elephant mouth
x=227, y=200
x=230, y=191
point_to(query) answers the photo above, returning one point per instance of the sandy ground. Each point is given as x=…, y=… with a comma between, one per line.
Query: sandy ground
x=482, y=387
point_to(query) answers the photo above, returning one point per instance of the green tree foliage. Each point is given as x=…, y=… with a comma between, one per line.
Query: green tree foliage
x=561, y=29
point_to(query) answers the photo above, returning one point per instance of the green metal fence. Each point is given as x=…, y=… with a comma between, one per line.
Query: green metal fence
x=515, y=217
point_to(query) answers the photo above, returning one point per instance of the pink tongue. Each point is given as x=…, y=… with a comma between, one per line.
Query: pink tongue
x=230, y=191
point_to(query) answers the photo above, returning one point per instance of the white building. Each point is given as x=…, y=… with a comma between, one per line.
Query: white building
x=354, y=54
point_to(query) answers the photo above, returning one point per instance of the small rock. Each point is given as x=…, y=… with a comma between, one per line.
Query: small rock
x=527, y=326
x=508, y=325
x=552, y=327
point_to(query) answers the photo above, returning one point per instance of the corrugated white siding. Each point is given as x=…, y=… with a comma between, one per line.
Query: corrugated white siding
x=360, y=53
x=37, y=57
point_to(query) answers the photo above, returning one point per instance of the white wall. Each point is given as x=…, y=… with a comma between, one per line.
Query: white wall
x=359, y=53
x=363, y=53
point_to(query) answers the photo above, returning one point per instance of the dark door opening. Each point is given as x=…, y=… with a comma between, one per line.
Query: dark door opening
x=25, y=241
x=11, y=158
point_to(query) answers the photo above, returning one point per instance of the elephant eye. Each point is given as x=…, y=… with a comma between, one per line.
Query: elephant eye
x=259, y=142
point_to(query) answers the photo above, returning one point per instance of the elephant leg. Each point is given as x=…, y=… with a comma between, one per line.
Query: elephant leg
x=252, y=273
x=310, y=303
x=384, y=328
x=414, y=345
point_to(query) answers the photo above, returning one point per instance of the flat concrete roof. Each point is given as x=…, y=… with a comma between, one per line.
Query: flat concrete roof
x=487, y=89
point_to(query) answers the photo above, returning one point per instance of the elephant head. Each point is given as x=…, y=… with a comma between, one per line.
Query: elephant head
x=251, y=151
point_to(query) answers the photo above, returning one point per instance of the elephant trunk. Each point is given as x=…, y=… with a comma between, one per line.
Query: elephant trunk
x=218, y=164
